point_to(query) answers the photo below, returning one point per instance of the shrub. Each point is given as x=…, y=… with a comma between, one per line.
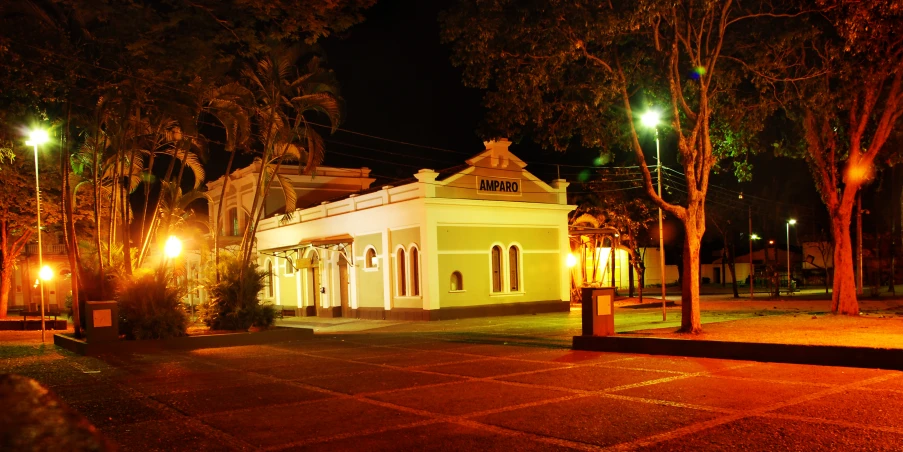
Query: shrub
x=233, y=302
x=150, y=307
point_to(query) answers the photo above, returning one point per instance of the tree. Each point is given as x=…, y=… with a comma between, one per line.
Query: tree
x=572, y=72
x=18, y=215
x=840, y=77
x=285, y=99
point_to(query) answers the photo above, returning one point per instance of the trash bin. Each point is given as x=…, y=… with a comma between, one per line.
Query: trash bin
x=102, y=321
x=598, y=311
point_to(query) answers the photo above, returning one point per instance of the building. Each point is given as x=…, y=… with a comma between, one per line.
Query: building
x=486, y=238
x=25, y=292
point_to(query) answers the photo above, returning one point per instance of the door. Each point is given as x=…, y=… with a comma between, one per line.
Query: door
x=343, y=286
x=313, y=292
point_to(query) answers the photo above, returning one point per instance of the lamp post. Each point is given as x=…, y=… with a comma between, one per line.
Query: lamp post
x=36, y=138
x=172, y=249
x=789, y=272
x=650, y=119
x=752, y=268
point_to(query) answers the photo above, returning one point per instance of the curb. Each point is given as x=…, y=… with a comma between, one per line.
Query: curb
x=823, y=355
x=270, y=336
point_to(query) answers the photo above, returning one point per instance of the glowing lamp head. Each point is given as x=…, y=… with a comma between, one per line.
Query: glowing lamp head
x=650, y=119
x=37, y=137
x=46, y=273
x=571, y=260
x=173, y=247
x=754, y=237
x=771, y=242
x=791, y=221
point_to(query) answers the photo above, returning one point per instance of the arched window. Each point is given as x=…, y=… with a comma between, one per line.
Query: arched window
x=496, y=268
x=269, y=279
x=415, y=271
x=232, y=222
x=400, y=273
x=370, y=258
x=514, y=268
x=457, y=282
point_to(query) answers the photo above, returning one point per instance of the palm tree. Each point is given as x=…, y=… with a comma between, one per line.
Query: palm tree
x=285, y=99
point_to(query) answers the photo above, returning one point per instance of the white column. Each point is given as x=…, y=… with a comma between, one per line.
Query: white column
x=564, y=249
x=429, y=261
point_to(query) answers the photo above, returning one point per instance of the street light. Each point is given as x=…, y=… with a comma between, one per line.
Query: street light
x=650, y=119
x=571, y=260
x=789, y=272
x=173, y=247
x=752, y=268
x=36, y=138
x=46, y=273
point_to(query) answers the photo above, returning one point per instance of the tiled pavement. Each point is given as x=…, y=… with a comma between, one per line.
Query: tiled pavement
x=441, y=390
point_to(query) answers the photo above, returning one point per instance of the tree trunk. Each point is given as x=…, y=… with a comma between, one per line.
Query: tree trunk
x=690, y=315
x=630, y=280
x=219, y=213
x=843, y=300
x=6, y=283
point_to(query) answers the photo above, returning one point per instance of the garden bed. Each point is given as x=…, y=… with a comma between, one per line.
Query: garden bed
x=210, y=339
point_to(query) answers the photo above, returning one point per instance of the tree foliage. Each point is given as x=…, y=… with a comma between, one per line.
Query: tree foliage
x=572, y=72
x=839, y=76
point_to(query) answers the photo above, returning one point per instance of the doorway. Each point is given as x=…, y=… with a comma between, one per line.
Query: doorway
x=313, y=289
x=343, y=285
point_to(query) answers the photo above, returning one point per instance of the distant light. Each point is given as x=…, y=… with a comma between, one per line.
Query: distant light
x=571, y=260
x=650, y=119
x=46, y=273
x=754, y=237
x=37, y=137
x=771, y=242
x=791, y=221
x=741, y=195
x=173, y=247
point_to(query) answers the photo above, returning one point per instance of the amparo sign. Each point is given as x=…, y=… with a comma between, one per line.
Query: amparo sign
x=498, y=186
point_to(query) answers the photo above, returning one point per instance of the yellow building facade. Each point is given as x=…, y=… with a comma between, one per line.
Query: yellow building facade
x=488, y=238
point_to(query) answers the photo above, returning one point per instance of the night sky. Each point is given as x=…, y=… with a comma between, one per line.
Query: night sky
x=398, y=84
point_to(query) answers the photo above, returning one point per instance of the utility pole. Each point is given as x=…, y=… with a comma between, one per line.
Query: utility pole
x=859, y=241
x=752, y=269
x=661, y=232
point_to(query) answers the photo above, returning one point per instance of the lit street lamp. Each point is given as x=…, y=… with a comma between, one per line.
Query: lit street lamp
x=650, y=119
x=789, y=272
x=173, y=247
x=36, y=138
x=752, y=268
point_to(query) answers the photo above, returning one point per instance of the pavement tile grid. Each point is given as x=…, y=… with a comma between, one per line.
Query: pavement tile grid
x=426, y=392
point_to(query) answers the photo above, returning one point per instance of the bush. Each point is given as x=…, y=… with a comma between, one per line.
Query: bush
x=233, y=302
x=150, y=307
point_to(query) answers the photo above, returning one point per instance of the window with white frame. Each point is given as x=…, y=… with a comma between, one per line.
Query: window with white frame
x=496, y=269
x=370, y=258
x=401, y=283
x=513, y=268
x=505, y=269
x=457, y=282
x=415, y=271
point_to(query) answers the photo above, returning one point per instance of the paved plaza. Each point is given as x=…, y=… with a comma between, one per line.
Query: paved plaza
x=507, y=383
